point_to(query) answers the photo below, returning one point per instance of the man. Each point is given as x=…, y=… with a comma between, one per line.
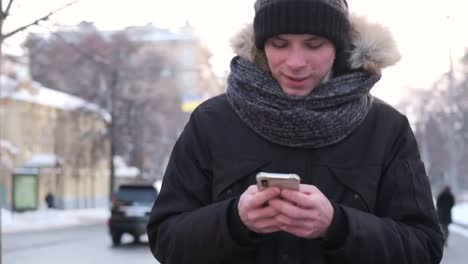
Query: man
x=298, y=102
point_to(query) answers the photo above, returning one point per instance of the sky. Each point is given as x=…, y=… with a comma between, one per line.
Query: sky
x=425, y=30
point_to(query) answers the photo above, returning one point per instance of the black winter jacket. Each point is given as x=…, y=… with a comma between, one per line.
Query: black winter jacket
x=375, y=179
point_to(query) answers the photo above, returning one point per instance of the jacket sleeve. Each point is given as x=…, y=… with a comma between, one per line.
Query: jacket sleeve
x=185, y=226
x=404, y=228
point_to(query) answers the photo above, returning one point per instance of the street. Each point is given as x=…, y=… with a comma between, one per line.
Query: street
x=456, y=251
x=75, y=245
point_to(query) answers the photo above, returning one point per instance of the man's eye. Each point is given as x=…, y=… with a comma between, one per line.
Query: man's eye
x=279, y=44
x=314, y=45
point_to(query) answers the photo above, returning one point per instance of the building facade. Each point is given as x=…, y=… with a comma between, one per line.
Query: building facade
x=60, y=136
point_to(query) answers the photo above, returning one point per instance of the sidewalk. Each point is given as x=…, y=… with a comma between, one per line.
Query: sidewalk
x=51, y=218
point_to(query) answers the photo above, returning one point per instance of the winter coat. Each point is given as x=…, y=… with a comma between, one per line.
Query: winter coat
x=375, y=179
x=445, y=202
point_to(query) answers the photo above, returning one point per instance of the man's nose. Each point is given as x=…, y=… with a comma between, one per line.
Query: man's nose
x=295, y=59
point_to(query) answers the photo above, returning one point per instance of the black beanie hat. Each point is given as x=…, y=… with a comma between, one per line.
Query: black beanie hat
x=326, y=18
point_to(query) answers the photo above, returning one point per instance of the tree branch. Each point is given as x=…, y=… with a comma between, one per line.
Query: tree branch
x=7, y=10
x=35, y=22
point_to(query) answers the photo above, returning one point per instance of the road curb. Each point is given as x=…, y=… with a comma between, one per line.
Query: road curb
x=461, y=225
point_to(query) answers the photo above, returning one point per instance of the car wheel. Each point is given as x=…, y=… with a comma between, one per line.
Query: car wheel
x=116, y=239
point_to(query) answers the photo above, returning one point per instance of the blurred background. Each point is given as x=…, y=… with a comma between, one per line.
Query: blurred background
x=94, y=93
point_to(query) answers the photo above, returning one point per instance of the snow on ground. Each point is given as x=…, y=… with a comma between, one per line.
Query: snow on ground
x=460, y=214
x=52, y=218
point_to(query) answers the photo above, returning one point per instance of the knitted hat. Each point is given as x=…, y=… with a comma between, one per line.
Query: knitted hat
x=326, y=18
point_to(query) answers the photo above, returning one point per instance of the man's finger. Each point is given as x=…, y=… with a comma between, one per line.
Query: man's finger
x=260, y=198
x=306, y=198
x=267, y=223
x=263, y=212
x=308, y=189
x=289, y=209
x=253, y=189
x=296, y=223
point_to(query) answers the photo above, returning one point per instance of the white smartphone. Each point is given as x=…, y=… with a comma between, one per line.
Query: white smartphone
x=281, y=180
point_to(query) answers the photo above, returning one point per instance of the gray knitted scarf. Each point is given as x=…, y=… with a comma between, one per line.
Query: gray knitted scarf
x=324, y=117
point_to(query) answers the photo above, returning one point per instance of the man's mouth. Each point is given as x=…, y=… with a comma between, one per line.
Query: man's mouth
x=295, y=79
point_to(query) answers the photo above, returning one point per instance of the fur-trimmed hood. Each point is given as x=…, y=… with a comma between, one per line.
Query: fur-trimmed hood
x=373, y=46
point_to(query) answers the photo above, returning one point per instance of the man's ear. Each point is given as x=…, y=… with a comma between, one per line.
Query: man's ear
x=341, y=63
x=261, y=60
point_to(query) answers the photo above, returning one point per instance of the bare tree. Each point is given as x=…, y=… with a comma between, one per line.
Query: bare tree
x=442, y=127
x=125, y=77
x=5, y=13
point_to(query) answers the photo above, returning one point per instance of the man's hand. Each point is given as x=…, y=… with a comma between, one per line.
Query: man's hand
x=255, y=212
x=306, y=213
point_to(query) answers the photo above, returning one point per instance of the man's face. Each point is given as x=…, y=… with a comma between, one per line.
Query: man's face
x=299, y=62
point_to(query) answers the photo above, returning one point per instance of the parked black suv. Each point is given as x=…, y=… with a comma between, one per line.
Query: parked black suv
x=131, y=206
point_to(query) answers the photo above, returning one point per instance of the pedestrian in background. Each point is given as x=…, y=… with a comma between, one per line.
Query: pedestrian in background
x=445, y=202
x=298, y=101
x=50, y=200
